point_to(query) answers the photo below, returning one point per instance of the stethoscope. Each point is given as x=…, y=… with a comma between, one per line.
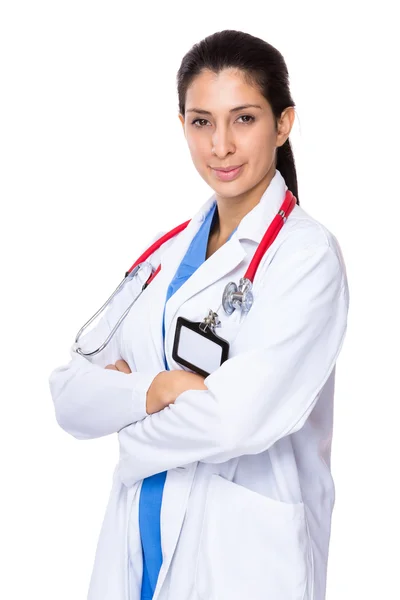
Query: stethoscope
x=233, y=297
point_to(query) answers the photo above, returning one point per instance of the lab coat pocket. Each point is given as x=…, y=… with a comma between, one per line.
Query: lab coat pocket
x=251, y=546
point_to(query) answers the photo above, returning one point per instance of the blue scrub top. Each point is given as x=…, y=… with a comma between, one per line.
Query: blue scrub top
x=152, y=487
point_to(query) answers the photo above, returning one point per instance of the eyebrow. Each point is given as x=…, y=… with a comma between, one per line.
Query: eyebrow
x=207, y=112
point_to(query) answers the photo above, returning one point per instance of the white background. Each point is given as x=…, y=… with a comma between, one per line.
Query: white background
x=94, y=163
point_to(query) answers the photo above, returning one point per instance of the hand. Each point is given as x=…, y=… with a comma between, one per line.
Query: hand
x=168, y=385
x=120, y=365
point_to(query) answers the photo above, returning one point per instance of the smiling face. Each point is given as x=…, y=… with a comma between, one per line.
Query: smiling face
x=219, y=134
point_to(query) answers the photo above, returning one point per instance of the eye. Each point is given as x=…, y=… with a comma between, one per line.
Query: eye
x=251, y=119
x=247, y=117
x=196, y=120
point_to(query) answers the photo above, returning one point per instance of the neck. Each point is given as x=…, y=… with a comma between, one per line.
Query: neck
x=232, y=210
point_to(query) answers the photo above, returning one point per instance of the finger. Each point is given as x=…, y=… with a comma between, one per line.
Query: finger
x=122, y=366
x=111, y=367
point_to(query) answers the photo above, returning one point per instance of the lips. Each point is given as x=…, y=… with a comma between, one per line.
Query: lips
x=227, y=169
x=228, y=175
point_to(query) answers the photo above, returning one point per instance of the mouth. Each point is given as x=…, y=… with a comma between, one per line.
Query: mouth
x=228, y=173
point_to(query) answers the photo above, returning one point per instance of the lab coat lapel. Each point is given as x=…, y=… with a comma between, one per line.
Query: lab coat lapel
x=224, y=260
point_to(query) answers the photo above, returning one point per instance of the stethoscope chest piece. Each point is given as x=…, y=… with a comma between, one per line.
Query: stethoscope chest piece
x=238, y=297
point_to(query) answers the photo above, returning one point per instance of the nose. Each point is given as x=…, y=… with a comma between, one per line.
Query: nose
x=222, y=142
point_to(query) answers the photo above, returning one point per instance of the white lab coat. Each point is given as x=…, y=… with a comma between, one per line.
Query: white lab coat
x=248, y=497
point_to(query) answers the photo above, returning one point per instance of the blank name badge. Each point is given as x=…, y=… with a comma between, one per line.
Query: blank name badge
x=201, y=350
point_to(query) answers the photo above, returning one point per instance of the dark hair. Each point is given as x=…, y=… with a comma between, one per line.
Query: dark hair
x=262, y=65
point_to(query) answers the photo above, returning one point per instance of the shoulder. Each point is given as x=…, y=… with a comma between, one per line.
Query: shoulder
x=155, y=257
x=132, y=285
x=302, y=235
x=305, y=256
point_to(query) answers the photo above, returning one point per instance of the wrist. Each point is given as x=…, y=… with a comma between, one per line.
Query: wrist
x=157, y=397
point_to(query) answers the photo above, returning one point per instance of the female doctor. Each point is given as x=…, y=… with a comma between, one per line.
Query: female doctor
x=223, y=488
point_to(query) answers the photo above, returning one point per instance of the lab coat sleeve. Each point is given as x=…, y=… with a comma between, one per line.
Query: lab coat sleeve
x=289, y=343
x=89, y=400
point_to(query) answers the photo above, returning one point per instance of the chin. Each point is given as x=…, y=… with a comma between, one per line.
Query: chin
x=231, y=191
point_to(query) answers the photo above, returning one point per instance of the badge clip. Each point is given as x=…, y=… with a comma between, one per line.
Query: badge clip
x=211, y=320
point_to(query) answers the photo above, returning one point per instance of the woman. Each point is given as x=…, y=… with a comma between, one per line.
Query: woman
x=223, y=488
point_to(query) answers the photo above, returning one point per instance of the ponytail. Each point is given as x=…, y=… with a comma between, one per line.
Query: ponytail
x=286, y=166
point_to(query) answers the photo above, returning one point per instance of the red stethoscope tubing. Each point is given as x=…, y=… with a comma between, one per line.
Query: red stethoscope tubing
x=271, y=234
x=268, y=238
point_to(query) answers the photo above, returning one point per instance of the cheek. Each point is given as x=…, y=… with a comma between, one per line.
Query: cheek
x=198, y=151
x=260, y=151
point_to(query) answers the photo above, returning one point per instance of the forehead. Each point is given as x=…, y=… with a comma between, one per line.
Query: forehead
x=226, y=89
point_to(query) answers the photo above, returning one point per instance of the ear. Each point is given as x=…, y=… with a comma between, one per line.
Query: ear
x=285, y=125
x=182, y=120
